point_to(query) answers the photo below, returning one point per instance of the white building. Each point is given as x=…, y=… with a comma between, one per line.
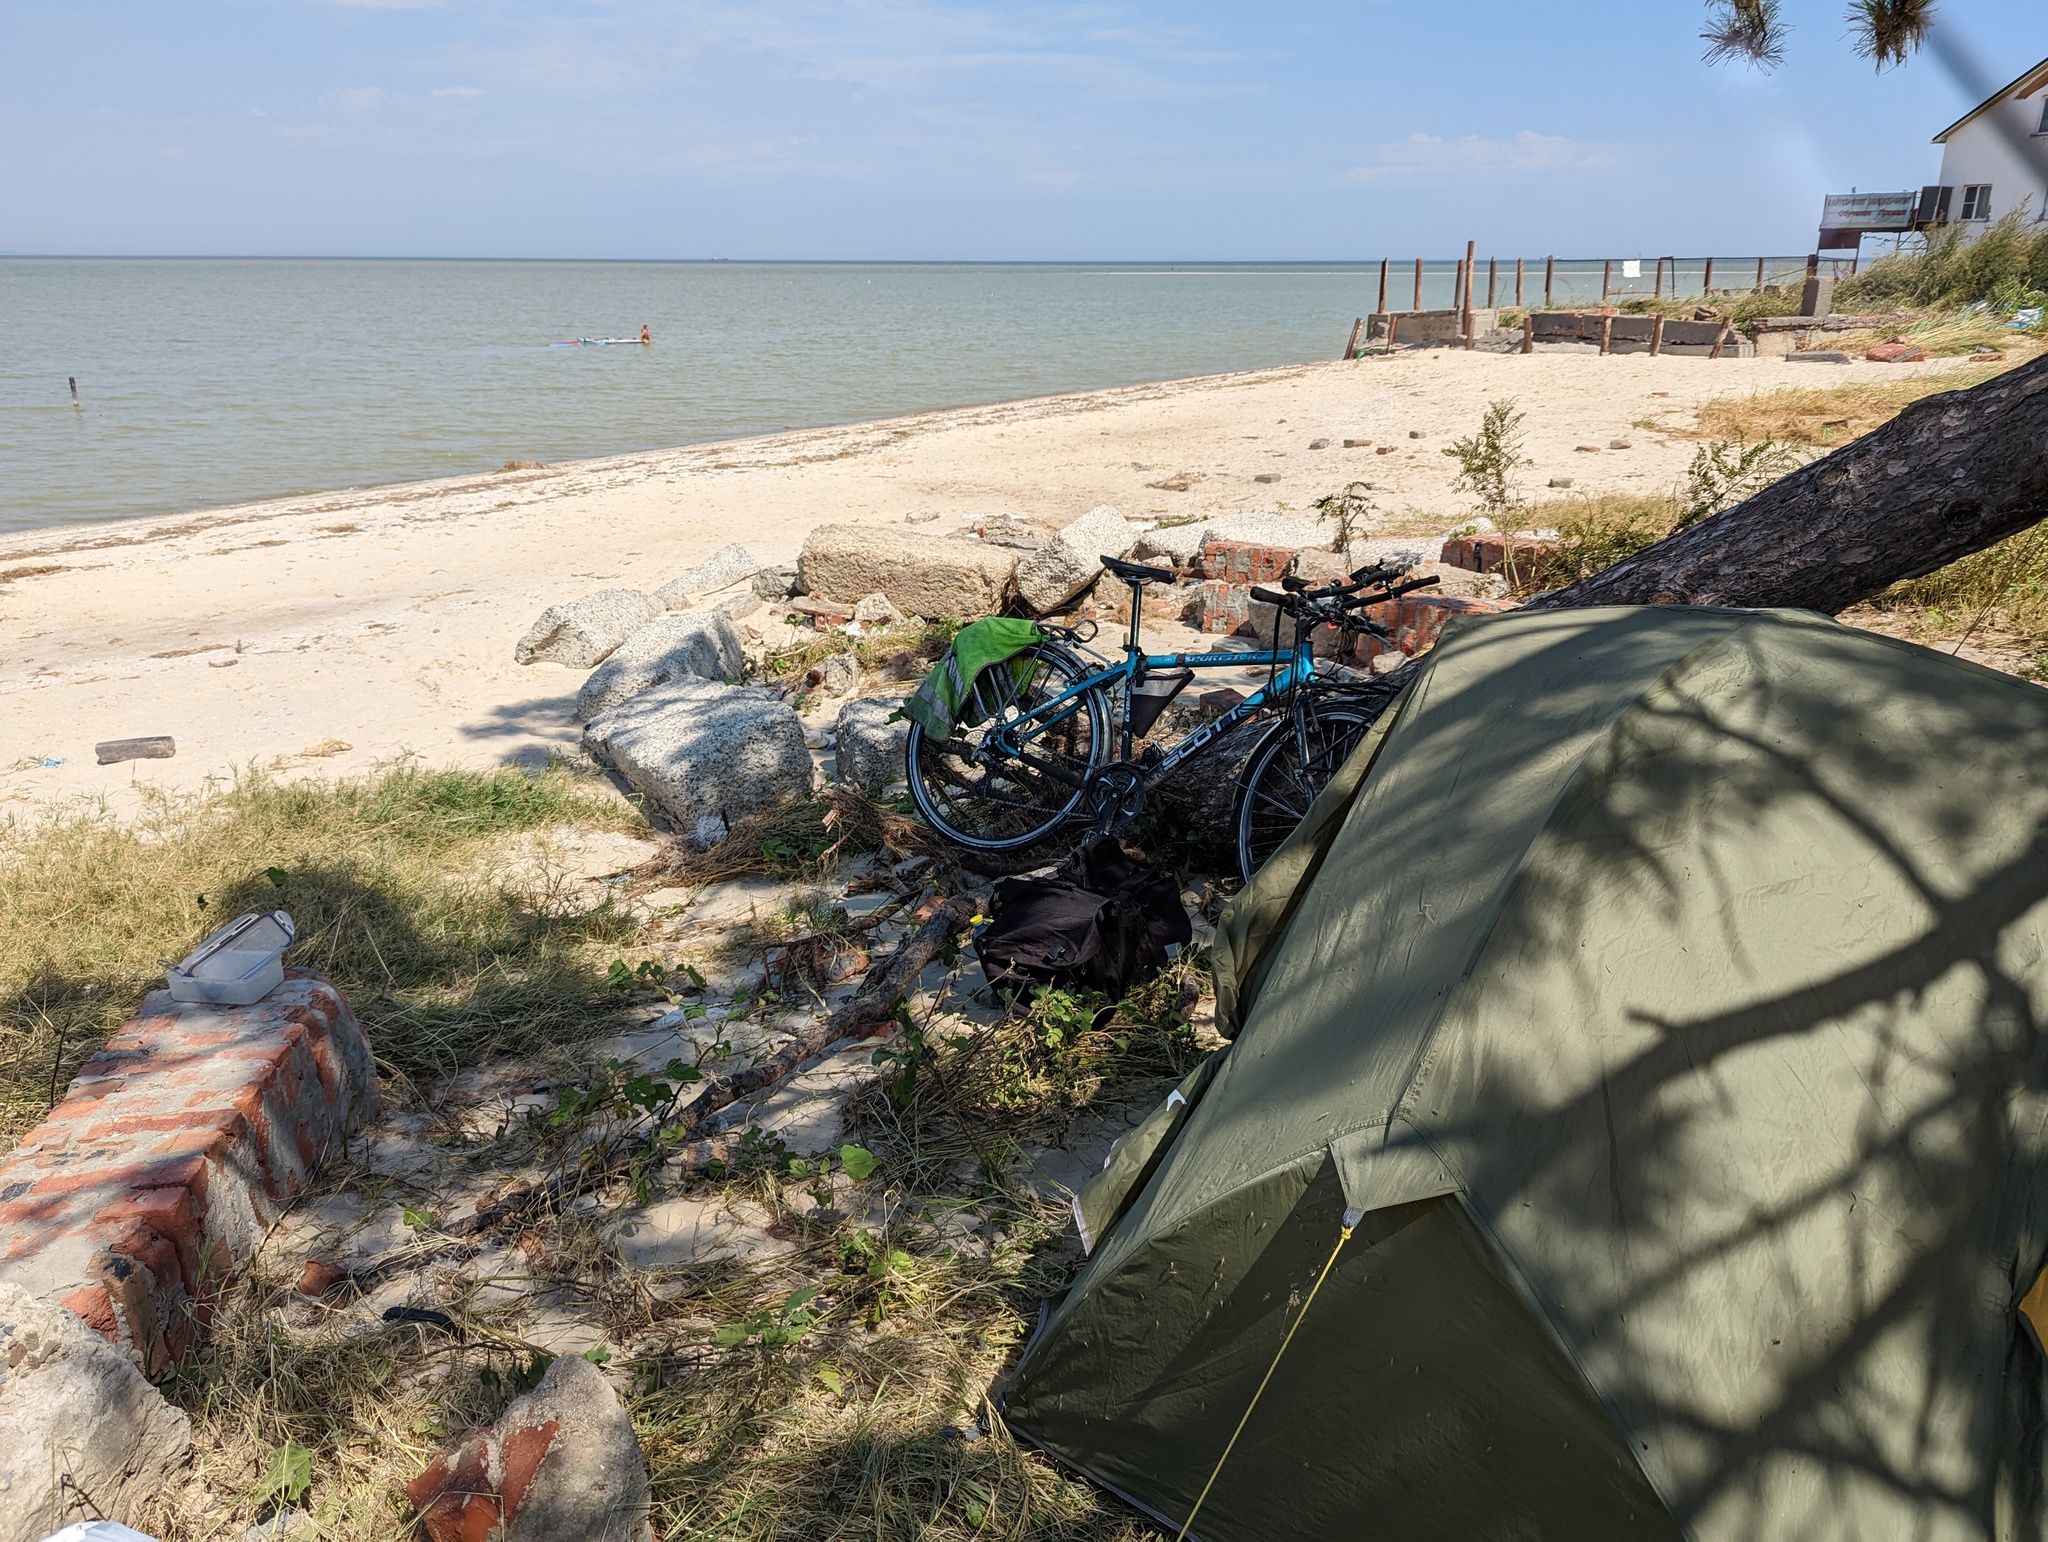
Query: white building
x=1994, y=159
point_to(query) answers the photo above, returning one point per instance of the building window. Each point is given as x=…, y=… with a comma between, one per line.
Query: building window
x=1977, y=201
x=2043, y=129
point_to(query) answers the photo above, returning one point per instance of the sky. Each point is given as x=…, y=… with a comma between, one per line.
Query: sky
x=923, y=130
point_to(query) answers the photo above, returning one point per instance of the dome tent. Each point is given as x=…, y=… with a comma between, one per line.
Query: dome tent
x=1659, y=993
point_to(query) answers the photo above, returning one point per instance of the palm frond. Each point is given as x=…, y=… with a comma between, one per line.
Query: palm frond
x=1889, y=31
x=1751, y=31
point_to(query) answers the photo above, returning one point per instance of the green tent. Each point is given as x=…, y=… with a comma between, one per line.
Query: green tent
x=1658, y=994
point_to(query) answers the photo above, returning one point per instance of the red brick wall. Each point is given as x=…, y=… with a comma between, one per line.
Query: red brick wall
x=1417, y=620
x=175, y=1147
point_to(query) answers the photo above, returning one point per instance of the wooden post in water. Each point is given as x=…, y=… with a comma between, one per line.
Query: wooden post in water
x=1383, y=286
x=1760, y=275
x=1492, y=278
x=74, y=393
x=1549, y=279
x=1528, y=331
x=1707, y=278
x=1657, y=334
x=1418, y=286
x=1518, y=281
x=1351, y=348
x=1657, y=285
x=1458, y=288
x=1606, y=282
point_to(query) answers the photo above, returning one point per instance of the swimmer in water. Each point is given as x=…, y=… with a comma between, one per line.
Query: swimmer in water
x=645, y=335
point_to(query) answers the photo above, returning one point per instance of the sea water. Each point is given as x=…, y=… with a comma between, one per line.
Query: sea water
x=210, y=381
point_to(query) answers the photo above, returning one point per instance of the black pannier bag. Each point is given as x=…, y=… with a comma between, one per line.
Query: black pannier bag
x=1102, y=922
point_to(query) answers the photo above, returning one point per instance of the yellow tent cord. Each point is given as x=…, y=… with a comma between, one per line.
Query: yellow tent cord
x=1343, y=1236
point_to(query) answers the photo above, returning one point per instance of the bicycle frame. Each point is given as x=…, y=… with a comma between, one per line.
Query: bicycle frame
x=1290, y=669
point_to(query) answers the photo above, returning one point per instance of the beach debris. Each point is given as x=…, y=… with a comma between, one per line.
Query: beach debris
x=1067, y=564
x=326, y=749
x=522, y=465
x=1179, y=482
x=868, y=740
x=560, y=1465
x=1358, y=444
x=76, y=1417
x=876, y=610
x=920, y=516
x=1414, y=433
x=1586, y=449
x=923, y=577
x=700, y=643
x=583, y=633
x=834, y=675
x=1818, y=356
x=318, y=1277
x=150, y=747
x=1008, y=530
x=1895, y=352
x=725, y=567
x=693, y=747
x=1562, y=481
x=1267, y=476
x=1319, y=444
x=1385, y=449
x=1619, y=444
x=776, y=583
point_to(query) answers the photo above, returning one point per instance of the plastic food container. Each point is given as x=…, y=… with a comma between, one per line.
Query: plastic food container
x=240, y=963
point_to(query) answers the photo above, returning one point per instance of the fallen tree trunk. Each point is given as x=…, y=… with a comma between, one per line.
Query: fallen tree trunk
x=1950, y=475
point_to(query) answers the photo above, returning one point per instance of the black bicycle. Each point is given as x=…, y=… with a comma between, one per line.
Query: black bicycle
x=1330, y=713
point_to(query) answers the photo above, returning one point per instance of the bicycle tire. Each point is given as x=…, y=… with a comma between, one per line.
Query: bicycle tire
x=1278, y=785
x=1007, y=804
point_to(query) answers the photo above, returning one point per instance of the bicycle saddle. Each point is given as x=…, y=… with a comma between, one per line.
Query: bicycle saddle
x=1132, y=572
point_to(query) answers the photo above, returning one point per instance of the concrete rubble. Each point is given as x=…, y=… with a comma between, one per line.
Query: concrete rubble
x=920, y=576
x=1064, y=566
x=694, y=748
x=703, y=644
x=868, y=742
x=725, y=567
x=583, y=633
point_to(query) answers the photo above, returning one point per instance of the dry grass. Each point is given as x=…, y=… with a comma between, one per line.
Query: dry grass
x=869, y=1421
x=801, y=840
x=1824, y=418
x=383, y=875
x=1939, y=336
x=2004, y=587
x=1594, y=533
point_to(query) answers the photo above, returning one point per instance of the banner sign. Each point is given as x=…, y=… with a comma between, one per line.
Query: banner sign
x=1868, y=211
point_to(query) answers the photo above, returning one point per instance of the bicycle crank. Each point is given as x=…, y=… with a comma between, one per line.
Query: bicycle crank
x=1116, y=795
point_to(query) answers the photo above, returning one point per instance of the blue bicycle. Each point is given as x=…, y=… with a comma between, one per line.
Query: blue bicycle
x=1045, y=739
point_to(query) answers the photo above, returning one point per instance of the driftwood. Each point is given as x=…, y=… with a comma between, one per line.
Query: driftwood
x=873, y=1004
x=1949, y=476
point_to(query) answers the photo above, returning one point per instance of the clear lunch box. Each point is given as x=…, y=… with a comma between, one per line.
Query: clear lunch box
x=240, y=963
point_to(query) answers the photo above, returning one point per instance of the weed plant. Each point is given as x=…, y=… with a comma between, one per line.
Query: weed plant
x=1345, y=513
x=2003, y=268
x=1487, y=459
x=387, y=878
x=907, y=645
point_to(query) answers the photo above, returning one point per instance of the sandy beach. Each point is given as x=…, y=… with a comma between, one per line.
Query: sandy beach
x=383, y=619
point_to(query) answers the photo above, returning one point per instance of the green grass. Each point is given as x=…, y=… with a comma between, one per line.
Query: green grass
x=387, y=877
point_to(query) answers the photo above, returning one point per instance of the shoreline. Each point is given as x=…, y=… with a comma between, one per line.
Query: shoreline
x=382, y=618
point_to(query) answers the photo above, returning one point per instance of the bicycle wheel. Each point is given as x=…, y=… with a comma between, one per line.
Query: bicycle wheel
x=1004, y=779
x=1280, y=782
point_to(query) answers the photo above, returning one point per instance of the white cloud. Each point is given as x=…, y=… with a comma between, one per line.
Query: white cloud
x=1427, y=158
x=356, y=98
x=463, y=91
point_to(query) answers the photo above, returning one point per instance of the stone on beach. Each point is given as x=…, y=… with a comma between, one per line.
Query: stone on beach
x=725, y=567
x=876, y=610
x=695, y=749
x=921, y=576
x=703, y=643
x=76, y=1418
x=868, y=746
x=1067, y=564
x=1180, y=545
x=560, y=1465
x=584, y=632
x=776, y=583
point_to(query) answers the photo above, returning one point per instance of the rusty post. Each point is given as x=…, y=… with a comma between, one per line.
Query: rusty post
x=1418, y=285
x=1393, y=326
x=1492, y=278
x=1351, y=348
x=1720, y=338
x=1657, y=287
x=1528, y=331
x=1549, y=279
x=1760, y=275
x=1383, y=286
x=1707, y=278
x=1606, y=336
x=1606, y=280
x=1656, y=337
x=1518, y=281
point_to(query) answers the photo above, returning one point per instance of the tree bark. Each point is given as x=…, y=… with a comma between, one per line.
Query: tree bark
x=1950, y=475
